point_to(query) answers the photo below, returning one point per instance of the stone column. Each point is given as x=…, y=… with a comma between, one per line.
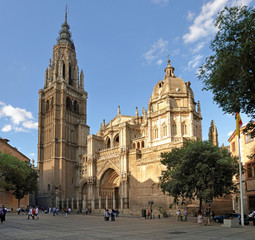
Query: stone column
x=114, y=203
x=72, y=204
x=93, y=203
x=67, y=203
x=106, y=202
x=84, y=203
x=77, y=202
x=99, y=202
x=57, y=202
x=63, y=203
x=121, y=203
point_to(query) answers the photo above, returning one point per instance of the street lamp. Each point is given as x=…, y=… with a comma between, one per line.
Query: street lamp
x=150, y=204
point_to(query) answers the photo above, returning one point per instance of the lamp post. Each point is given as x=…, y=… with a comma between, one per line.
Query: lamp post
x=150, y=204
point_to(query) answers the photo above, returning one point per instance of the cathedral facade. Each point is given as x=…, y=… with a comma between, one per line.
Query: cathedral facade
x=119, y=167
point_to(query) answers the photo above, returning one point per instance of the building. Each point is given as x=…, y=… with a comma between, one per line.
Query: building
x=63, y=128
x=120, y=166
x=247, y=147
x=7, y=198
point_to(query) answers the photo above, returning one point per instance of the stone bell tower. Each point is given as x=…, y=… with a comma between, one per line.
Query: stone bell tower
x=63, y=129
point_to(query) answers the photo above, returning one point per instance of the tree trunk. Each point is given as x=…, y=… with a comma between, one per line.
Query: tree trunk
x=200, y=204
x=18, y=203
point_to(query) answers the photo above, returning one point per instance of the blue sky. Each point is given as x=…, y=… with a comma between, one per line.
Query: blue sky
x=122, y=47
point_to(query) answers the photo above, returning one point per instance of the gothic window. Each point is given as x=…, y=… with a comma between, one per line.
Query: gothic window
x=174, y=129
x=64, y=70
x=70, y=76
x=47, y=106
x=155, y=133
x=164, y=128
x=76, y=106
x=116, y=141
x=142, y=144
x=68, y=103
x=138, y=145
x=133, y=145
x=184, y=129
x=108, y=143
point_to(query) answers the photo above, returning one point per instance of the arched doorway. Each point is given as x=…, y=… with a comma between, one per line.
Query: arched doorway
x=109, y=189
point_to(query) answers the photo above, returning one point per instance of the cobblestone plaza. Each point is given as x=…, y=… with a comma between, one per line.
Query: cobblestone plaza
x=79, y=226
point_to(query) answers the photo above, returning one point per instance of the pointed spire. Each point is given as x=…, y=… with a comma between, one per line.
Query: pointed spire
x=118, y=110
x=64, y=33
x=213, y=134
x=198, y=108
x=136, y=112
x=82, y=79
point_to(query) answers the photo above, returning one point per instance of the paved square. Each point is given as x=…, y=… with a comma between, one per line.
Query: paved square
x=125, y=227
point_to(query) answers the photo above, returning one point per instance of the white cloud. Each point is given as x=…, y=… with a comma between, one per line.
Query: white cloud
x=240, y=2
x=19, y=119
x=6, y=128
x=195, y=61
x=159, y=62
x=30, y=124
x=190, y=16
x=17, y=115
x=32, y=154
x=156, y=51
x=198, y=47
x=203, y=25
x=230, y=133
x=160, y=2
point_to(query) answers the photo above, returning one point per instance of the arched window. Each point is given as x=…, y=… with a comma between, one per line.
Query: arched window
x=138, y=145
x=108, y=143
x=68, y=103
x=47, y=106
x=164, y=130
x=76, y=106
x=174, y=129
x=133, y=145
x=184, y=129
x=70, y=76
x=64, y=70
x=116, y=140
x=142, y=144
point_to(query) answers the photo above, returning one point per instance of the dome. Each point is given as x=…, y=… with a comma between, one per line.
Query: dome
x=171, y=85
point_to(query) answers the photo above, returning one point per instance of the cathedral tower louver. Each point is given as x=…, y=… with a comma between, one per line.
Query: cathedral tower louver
x=63, y=128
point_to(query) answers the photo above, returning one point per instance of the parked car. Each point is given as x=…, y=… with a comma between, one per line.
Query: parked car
x=220, y=218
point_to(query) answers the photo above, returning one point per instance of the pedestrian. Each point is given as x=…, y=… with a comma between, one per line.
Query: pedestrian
x=30, y=213
x=149, y=214
x=112, y=215
x=178, y=214
x=185, y=214
x=54, y=211
x=106, y=215
x=212, y=214
x=33, y=213
x=66, y=211
x=207, y=214
x=3, y=213
x=37, y=213
x=199, y=217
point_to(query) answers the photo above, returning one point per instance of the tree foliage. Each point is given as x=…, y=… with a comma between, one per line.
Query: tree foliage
x=17, y=176
x=198, y=170
x=230, y=72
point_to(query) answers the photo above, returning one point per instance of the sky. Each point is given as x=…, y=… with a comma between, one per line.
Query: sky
x=122, y=47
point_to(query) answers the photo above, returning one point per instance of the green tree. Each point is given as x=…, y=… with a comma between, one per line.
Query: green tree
x=17, y=176
x=198, y=170
x=230, y=72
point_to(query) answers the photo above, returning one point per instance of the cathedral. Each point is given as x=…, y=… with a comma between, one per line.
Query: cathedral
x=119, y=166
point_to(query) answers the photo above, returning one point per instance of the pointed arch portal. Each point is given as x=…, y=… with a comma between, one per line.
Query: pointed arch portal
x=109, y=188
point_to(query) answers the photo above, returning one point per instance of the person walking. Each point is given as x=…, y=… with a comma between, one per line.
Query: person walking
x=199, y=217
x=185, y=215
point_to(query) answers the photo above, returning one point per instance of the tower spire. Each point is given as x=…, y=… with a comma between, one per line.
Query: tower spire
x=64, y=33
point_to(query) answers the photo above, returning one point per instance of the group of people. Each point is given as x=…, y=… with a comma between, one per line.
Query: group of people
x=209, y=215
x=180, y=216
x=112, y=213
x=32, y=212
